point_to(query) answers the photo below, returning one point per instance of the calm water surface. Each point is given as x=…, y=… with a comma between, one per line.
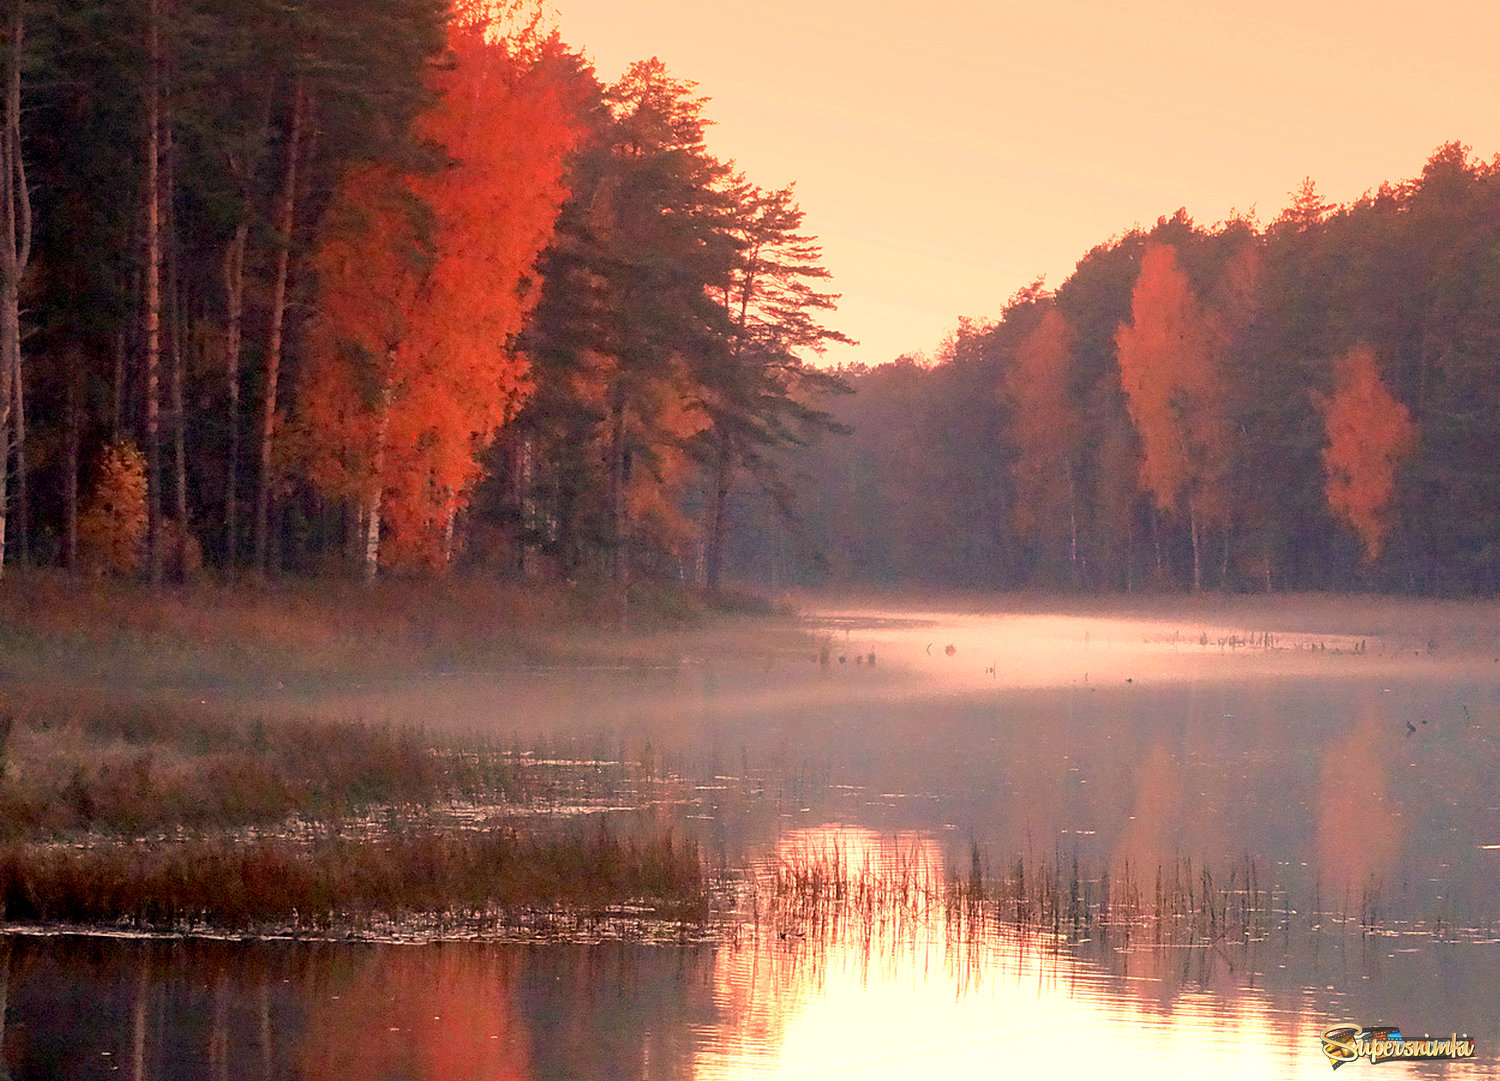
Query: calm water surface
x=1350, y=763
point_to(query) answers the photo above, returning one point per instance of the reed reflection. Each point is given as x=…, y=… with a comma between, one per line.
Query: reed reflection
x=864, y=958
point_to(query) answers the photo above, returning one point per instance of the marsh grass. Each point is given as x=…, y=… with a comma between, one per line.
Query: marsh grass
x=131, y=768
x=125, y=796
x=168, y=819
x=471, y=879
x=830, y=888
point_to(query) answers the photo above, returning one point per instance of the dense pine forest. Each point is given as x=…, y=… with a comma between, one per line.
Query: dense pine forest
x=366, y=287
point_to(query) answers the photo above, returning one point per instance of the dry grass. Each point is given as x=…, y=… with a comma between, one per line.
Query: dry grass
x=171, y=820
x=296, y=626
x=129, y=769
x=116, y=806
x=469, y=878
x=112, y=639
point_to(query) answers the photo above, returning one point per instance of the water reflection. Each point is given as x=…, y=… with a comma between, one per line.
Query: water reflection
x=1360, y=830
x=443, y=1012
x=163, y=1011
x=931, y=992
x=890, y=985
x=1345, y=780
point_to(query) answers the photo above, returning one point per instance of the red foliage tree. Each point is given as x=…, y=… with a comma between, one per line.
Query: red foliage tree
x=1369, y=433
x=424, y=279
x=1170, y=369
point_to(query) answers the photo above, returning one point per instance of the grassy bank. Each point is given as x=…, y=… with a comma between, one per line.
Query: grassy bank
x=164, y=820
x=475, y=880
x=109, y=632
x=150, y=777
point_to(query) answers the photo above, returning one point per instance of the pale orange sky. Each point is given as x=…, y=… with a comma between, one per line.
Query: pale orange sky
x=949, y=158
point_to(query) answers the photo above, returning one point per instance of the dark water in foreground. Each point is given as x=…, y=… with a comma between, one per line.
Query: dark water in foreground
x=1353, y=769
x=910, y=1002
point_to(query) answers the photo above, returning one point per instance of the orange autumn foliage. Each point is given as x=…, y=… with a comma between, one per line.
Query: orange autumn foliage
x=654, y=494
x=424, y=279
x=1173, y=387
x=1369, y=433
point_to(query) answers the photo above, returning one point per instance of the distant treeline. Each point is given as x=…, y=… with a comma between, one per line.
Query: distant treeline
x=1313, y=404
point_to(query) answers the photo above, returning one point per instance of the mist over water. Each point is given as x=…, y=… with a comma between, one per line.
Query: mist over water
x=1345, y=754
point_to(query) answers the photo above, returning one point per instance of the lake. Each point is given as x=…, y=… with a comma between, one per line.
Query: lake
x=1145, y=842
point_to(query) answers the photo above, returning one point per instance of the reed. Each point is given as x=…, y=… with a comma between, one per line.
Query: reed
x=168, y=819
x=469, y=878
x=1179, y=902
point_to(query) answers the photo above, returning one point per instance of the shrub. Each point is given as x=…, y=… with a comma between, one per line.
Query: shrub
x=112, y=527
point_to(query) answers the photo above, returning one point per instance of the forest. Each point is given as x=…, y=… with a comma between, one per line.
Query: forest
x=352, y=287
x=398, y=287
x=1311, y=404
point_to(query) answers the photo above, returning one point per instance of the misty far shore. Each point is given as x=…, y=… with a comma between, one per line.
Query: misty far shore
x=118, y=639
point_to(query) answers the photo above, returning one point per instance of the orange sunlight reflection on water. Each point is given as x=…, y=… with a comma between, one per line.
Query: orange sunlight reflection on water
x=974, y=652
x=922, y=997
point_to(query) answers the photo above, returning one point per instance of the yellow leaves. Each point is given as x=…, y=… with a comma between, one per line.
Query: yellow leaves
x=112, y=527
x=1369, y=433
x=654, y=495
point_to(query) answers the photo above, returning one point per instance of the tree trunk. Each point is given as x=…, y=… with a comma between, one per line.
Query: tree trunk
x=718, y=516
x=285, y=220
x=234, y=298
x=619, y=512
x=1156, y=542
x=23, y=498
x=370, y=565
x=377, y=480
x=1073, y=531
x=117, y=401
x=450, y=525
x=1197, y=563
x=153, y=299
x=521, y=478
x=15, y=250
x=70, y=467
x=4, y=984
x=618, y=508
x=175, y=345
